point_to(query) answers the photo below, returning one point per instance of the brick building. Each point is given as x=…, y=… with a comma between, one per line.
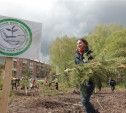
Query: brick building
x=37, y=70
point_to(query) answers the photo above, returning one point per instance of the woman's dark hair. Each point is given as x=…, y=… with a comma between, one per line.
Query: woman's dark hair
x=83, y=40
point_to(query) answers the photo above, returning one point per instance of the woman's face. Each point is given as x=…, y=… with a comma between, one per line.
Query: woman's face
x=80, y=44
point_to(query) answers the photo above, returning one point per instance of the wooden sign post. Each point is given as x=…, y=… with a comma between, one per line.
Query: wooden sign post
x=17, y=38
x=6, y=85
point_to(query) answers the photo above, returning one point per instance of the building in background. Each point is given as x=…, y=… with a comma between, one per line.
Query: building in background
x=2, y=61
x=37, y=70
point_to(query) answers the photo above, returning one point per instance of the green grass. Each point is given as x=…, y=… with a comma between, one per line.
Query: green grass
x=121, y=85
x=48, y=91
x=51, y=91
x=64, y=86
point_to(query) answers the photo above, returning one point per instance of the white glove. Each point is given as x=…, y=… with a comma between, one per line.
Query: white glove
x=85, y=60
x=68, y=70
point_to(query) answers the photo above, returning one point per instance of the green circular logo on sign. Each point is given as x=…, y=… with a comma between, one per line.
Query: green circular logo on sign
x=15, y=37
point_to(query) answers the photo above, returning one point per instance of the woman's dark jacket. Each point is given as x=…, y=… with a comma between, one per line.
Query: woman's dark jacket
x=79, y=59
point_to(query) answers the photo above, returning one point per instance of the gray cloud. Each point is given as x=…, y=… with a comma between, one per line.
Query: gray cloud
x=77, y=18
x=68, y=17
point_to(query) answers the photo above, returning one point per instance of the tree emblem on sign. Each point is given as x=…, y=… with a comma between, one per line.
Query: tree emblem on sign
x=12, y=40
x=12, y=30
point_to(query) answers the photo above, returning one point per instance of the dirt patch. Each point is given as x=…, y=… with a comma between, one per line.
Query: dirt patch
x=105, y=101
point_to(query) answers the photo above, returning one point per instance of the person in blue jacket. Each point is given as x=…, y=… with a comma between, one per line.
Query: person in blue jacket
x=82, y=48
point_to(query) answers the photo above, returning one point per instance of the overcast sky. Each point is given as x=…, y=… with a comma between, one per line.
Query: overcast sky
x=65, y=17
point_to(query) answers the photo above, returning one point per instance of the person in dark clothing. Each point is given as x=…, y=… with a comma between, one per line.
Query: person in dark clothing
x=33, y=83
x=112, y=84
x=56, y=85
x=18, y=81
x=88, y=88
x=13, y=83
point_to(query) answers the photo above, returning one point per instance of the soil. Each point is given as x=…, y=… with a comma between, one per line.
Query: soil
x=63, y=101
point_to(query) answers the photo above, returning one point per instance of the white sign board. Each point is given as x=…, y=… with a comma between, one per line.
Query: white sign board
x=20, y=38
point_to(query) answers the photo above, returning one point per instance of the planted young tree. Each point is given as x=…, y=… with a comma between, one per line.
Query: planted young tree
x=25, y=81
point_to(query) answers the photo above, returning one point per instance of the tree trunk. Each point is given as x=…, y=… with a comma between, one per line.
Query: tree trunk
x=26, y=90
